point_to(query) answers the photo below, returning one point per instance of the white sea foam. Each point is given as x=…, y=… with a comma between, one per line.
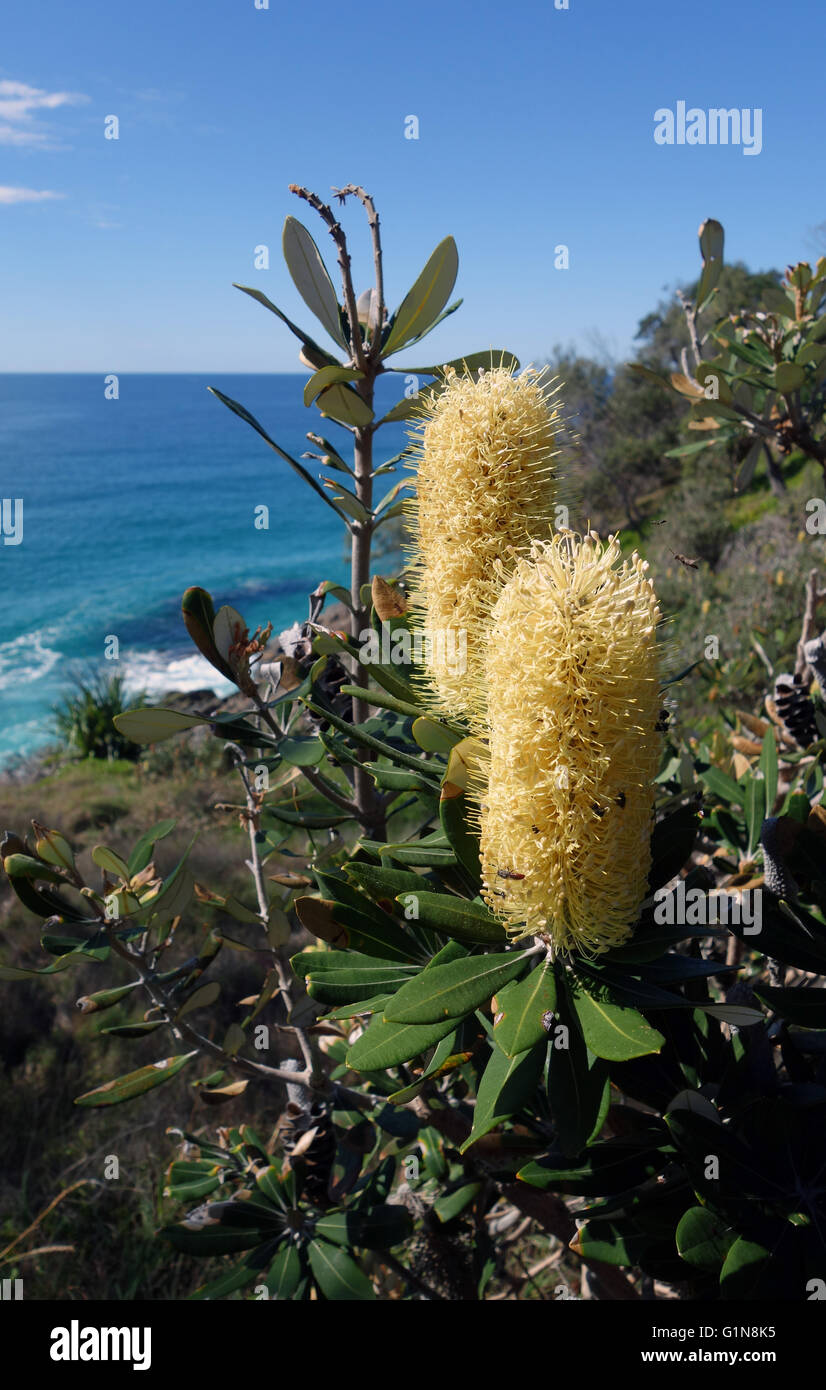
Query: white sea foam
x=155, y=672
x=26, y=658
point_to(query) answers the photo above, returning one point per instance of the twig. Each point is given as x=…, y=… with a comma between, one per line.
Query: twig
x=690, y=313
x=337, y=233
x=319, y=783
x=81, y=1182
x=808, y=630
x=373, y=219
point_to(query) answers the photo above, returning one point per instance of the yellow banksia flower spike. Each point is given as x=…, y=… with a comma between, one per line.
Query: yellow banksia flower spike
x=485, y=487
x=565, y=790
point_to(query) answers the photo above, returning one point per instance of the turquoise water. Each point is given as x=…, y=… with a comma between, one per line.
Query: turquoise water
x=127, y=502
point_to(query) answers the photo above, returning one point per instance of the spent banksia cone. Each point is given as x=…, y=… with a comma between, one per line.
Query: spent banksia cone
x=573, y=695
x=484, y=490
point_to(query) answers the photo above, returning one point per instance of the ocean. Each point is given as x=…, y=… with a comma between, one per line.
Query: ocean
x=128, y=502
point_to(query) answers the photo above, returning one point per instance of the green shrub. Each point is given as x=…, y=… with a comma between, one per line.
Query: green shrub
x=443, y=1086
x=83, y=718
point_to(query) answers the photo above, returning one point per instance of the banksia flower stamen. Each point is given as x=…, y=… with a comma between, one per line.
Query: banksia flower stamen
x=565, y=791
x=484, y=490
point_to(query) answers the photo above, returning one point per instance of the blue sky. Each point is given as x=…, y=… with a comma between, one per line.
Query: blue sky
x=535, y=128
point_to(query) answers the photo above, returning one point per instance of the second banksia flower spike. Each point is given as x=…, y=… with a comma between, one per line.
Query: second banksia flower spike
x=573, y=693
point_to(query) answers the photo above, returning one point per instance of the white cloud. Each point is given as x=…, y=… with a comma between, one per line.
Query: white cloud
x=10, y=195
x=19, y=102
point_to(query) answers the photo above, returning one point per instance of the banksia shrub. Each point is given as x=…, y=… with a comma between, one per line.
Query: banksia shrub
x=573, y=696
x=485, y=488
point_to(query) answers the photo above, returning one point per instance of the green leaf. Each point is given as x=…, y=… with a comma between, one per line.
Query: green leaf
x=456, y=822
x=342, y=891
x=754, y=809
x=134, y=1030
x=612, y=1031
x=153, y=725
x=198, y=613
x=200, y=999
x=454, y=1203
x=422, y=305
x=743, y=1269
x=778, y=302
x=311, y=279
x=391, y=495
x=382, y=700
x=187, y=1180
x=748, y=467
x=434, y=737
x=671, y=844
x=383, y=883
x=357, y=734
x=788, y=377
x=173, y=897
x=768, y=767
x=521, y=1007
x=311, y=346
x=811, y=352
x=628, y=991
x=17, y=972
x=347, y=501
x=613, y=1240
x=301, y=752
x=346, y=927
x=424, y=853
x=378, y=1229
x=26, y=867
x=384, y=1044
x=226, y=1283
x=306, y=819
x=328, y=376
x=337, y=1274
x=410, y=406
x=464, y=921
x=579, y=1092
x=298, y=468
x=704, y=1239
x=489, y=358
x=285, y=1272
x=391, y=678
x=135, y=1083
x=351, y=984
x=454, y=990
x=142, y=853
x=211, y=1240
x=342, y=403
x=711, y=249
x=806, y=1007
x=110, y=862
x=45, y=903
x=650, y=375
x=722, y=786
x=508, y=1083
x=605, y=1168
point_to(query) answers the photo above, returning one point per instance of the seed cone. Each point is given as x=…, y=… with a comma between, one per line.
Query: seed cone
x=565, y=793
x=485, y=488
